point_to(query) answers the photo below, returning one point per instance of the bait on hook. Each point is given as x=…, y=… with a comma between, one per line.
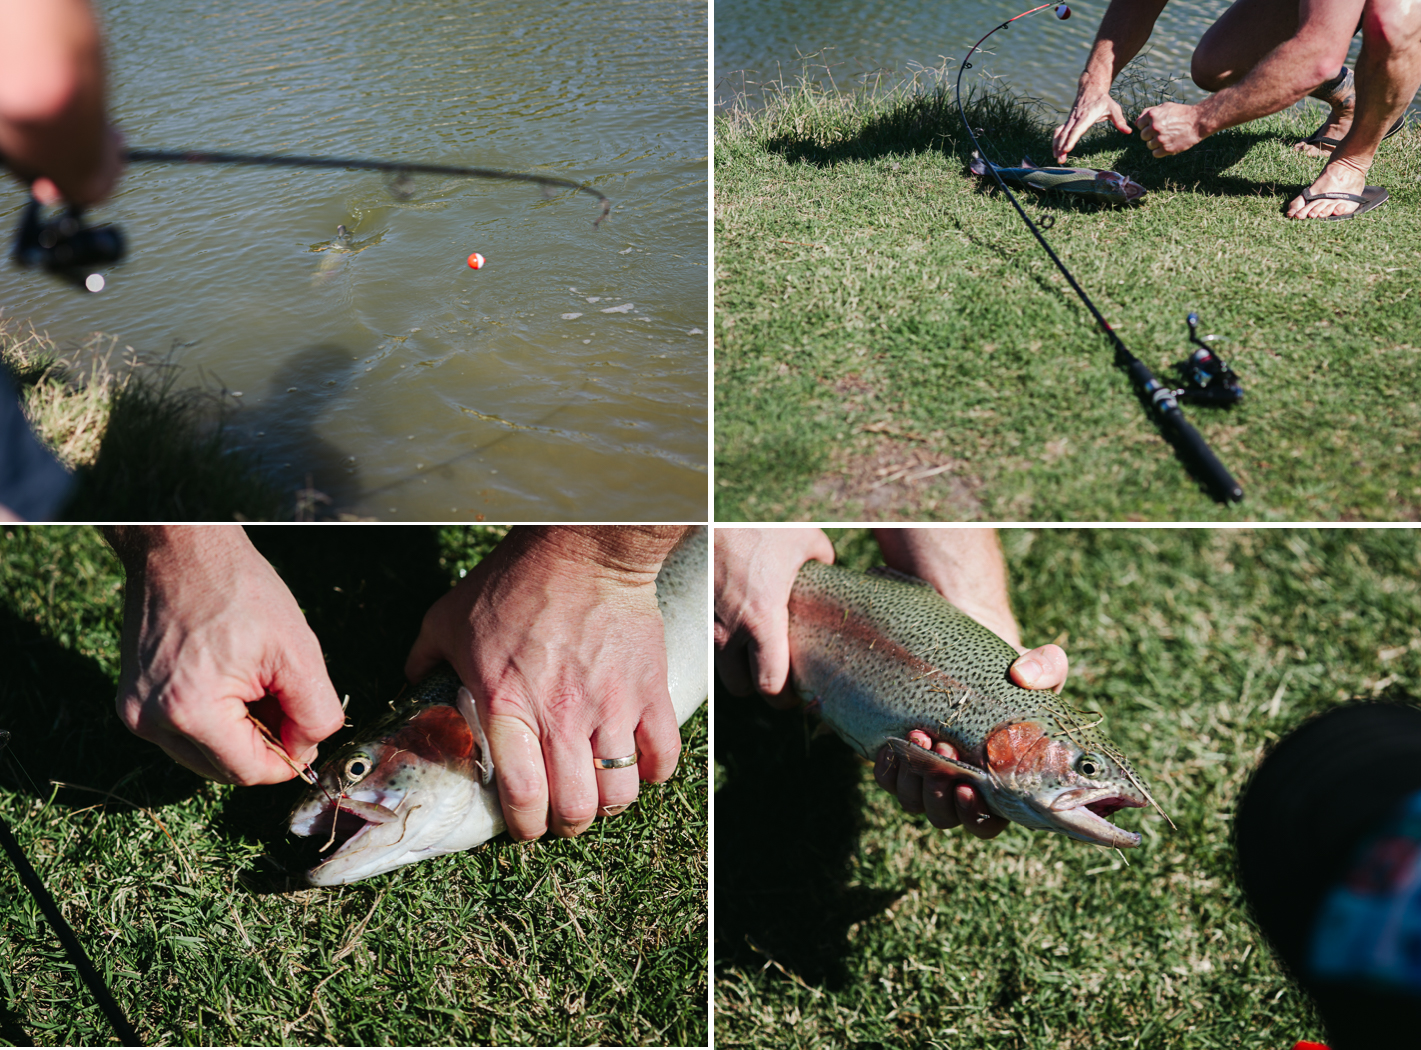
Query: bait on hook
x=1213, y=381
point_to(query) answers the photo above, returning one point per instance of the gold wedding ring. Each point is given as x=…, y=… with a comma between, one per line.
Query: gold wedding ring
x=615, y=763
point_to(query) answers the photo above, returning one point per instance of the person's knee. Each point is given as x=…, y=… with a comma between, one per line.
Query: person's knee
x=1206, y=71
x=1391, y=26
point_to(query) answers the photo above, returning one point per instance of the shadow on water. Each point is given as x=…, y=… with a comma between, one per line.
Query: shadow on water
x=294, y=454
x=364, y=593
x=787, y=824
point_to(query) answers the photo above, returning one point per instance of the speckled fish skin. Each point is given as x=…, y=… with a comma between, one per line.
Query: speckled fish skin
x=1108, y=187
x=878, y=657
x=418, y=783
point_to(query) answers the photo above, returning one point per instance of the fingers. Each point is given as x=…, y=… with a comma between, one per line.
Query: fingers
x=1046, y=667
x=310, y=709
x=976, y=818
x=518, y=767
x=616, y=788
x=572, y=784
x=1117, y=117
x=946, y=801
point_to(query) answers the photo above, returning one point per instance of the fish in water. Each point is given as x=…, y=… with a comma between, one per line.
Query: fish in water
x=1108, y=187
x=419, y=783
x=878, y=655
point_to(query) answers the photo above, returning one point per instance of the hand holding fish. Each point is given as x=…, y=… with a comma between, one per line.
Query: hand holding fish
x=558, y=638
x=966, y=567
x=754, y=571
x=948, y=802
x=209, y=629
x=1169, y=128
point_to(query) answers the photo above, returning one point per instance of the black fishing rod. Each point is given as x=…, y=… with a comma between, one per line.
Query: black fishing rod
x=1161, y=398
x=32, y=882
x=67, y=248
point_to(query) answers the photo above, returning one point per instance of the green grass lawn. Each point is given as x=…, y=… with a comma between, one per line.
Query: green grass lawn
x=181, y=892
x=841, y=921
x=892, y=343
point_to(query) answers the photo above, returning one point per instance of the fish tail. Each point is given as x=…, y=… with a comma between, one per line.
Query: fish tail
x=978, y=165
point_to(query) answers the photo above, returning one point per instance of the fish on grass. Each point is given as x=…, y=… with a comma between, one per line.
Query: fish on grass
x=419, y=783
x=878, y=655
x=1108, y=187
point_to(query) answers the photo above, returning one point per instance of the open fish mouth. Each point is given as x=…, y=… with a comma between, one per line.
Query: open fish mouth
x=341, y=820
x=1085, y=810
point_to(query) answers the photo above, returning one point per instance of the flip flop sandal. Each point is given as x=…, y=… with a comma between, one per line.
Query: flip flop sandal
x=1369, y=198
x=1318, y=139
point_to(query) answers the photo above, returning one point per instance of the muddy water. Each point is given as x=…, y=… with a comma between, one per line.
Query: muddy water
x=565, y=379
x=853, y=41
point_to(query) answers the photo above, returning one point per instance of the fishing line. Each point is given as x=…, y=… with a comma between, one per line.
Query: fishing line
x=1161, y=398
x=67, y=248
x=126, y=1035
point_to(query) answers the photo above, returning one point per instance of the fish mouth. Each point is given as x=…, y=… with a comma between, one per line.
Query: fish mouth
x=1133, y=191
x=336, y=822
x=1084, y=812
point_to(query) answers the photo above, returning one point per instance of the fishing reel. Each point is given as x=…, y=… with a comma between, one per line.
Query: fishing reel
x=1207, y=379
x=65, y=247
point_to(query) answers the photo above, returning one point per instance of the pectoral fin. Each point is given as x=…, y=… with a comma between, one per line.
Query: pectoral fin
x=930, y=764
x=464, y=701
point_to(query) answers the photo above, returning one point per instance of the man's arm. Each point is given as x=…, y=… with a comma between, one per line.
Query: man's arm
x=53, y=128
x=1124, y=30
x=1282, y=77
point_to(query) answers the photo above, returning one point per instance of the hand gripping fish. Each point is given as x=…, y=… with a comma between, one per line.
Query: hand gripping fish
x=419, y=783
x=882, y=654
x=1108, y=187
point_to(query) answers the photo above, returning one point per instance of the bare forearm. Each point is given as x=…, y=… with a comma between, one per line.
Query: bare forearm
x=139, y=545
x=52, y=119
x=964, y=565
x=627, y=550
x=1284, y=76
x=1124, y=30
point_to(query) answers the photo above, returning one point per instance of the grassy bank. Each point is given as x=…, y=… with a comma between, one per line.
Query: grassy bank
x=180, y=889
x=893, y=344
x=841, y=921
x=142, y=446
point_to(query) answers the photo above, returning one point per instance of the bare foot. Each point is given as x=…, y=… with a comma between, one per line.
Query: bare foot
x=1343, y=101
x=1340, y=175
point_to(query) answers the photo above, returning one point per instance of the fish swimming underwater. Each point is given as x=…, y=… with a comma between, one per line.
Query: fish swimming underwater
x=879, y=655
x=1108, y=187
x=419, y=783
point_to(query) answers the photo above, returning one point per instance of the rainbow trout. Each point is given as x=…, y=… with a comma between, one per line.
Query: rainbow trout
x=1108, y=187
x=419, y=782
x=882, y=654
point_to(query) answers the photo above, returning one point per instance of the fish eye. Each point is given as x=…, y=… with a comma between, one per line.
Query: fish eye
x=1090, y=766
x=357, y=767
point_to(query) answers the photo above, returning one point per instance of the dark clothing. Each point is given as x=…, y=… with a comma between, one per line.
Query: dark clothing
x=33, y=483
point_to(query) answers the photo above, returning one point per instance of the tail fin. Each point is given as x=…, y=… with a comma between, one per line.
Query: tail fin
x=978, y=165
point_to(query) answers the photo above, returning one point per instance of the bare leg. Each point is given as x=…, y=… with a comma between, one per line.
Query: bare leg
x=1242, y=36
x=1388, y=74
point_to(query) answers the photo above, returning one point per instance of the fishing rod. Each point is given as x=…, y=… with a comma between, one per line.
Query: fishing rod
x=1202, y=363
x=70, y=250
x=126, y=1035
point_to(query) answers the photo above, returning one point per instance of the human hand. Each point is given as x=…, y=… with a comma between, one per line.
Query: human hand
x=1169, y=128
x=1093, y=104
x=947, y=801
x=558, y=637
x=95, y=185
x=210, y=632
x=754, y=573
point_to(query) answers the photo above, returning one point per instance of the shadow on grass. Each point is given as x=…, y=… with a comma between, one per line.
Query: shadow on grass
x=787, y=825
x=1010, y=131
